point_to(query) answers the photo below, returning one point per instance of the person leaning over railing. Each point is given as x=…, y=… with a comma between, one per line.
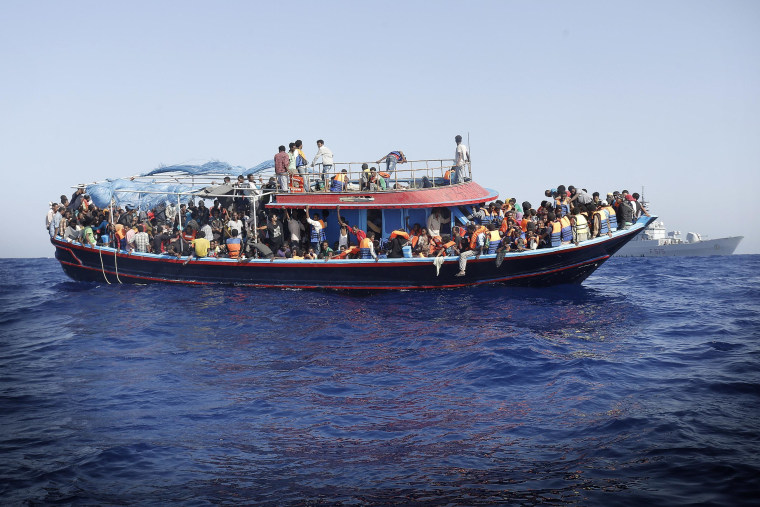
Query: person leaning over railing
x=391, y=159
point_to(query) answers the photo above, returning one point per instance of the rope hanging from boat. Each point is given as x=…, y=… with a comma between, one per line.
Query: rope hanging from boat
x=116, y=266
x=102, y=267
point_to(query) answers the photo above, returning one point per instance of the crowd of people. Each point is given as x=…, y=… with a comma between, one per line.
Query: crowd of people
x=242, y=226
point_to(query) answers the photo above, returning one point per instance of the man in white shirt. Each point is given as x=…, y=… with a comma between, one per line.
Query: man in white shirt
x=461, y=159
x=434, y=222
x=327, y=160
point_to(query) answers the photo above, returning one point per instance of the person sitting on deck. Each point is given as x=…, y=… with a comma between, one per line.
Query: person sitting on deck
x=141, y=240
x=364, y=181
x=421, y=247
x=213, y=250
x=494, y=238
x=601, y=221
x=477, y=243
x=579, y=223
x=376, y=181
x=201, y=245
x=234, y=245
x=325, y=252
x=367, y=247
x=284, y=251
x=339, y=181
x=398, y=239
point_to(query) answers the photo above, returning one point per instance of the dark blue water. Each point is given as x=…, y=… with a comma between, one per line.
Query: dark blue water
x=641, y=385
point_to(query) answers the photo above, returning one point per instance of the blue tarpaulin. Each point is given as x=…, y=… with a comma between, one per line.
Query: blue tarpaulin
x=128, y=192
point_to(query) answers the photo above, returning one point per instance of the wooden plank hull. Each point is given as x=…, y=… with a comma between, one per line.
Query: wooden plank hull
x=563, y=265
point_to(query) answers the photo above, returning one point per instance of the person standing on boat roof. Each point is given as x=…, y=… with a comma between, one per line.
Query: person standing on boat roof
x=292, y=159
x=391, y=159
x=302, y=163
x=281, y=162
x=461, y=159
x=326, y=155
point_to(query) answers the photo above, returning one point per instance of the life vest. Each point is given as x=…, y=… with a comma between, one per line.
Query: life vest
x=495, y=241
x=188, y=237
x=563, y=203
x=415, y=239
x=474, y=237
x=566, y=231
x=556, y=233
x=447, y=175
x=233, y=250
x=602, y=214
x=504, y=226
x=384, y=175
x=524, y=224
x=296, y=183
x=613, y=217
x=318, y=236
x=338, y=183
x=399, y=232
x=581, y=225
x=364, y=249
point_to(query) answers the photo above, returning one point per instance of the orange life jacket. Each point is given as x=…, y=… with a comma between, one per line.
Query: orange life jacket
x=398, y=232
x=474, y=237
x=233, y=250
x=296, y=183
x=365, y=243
x=449, y=244
x=385, y=175
x=524, y=224
x=504, y=226
x=415, y=239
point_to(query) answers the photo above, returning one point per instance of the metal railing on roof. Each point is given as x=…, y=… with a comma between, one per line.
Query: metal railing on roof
x=408, y=175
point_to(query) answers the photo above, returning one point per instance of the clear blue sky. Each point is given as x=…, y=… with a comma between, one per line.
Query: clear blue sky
x=598, y=94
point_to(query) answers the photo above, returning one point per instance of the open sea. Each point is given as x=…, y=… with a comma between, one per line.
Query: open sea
x=641, y=385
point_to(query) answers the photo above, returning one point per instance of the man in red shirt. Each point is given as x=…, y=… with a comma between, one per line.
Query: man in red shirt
x=360, y=234
x=281, y=161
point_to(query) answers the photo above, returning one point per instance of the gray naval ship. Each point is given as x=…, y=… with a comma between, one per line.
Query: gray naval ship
x=654, y=241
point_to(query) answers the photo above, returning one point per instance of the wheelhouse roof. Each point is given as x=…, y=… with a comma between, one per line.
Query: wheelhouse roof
x=467, y=193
